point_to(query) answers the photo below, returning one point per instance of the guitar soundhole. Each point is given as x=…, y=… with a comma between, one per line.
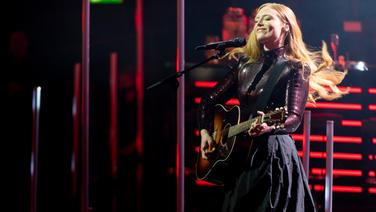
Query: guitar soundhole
x=223, y=148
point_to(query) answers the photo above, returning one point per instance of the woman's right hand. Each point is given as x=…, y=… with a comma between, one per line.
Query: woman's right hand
x=207, y=144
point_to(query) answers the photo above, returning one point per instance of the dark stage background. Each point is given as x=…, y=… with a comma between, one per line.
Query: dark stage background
x=41, y=42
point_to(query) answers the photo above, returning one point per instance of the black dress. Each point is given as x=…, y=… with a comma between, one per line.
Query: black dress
x=272, y=178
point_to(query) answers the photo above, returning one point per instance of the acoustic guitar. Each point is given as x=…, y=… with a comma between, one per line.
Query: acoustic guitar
x=226, y=127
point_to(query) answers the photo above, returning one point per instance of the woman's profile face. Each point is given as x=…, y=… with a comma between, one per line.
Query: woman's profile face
x=270, y=30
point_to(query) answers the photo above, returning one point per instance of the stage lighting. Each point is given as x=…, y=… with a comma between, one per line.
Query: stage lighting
x=357, y=66
x=106, y=1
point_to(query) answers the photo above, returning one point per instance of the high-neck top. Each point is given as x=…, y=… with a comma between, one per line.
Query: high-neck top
x=268, y=58
x=273, y=54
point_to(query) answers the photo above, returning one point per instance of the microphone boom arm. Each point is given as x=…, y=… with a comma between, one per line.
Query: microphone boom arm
x=173, y=77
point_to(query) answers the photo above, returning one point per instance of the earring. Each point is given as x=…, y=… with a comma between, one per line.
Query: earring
x=286, y=27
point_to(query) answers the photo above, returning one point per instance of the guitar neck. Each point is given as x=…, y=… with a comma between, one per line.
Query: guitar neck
x=243, y=126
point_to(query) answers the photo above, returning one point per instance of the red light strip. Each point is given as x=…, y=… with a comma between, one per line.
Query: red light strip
x=371, y=173
x=337, y=106
x=351, y=89
x=372, y=190
x=233, y=102
x=318, y=187
x=347, y=139
x=374, y=140
x=204, y=183
x=352, y=26
x=371, y=107
x=372, y=90
x=322, y=138
x=229, y=102
x=370, y=157
x=338, y=172
x=351, y=123
x=336, y=155
x=197, y=100
x=347, y=156
x=348, y=189
x=205, y=84
x=351, y=189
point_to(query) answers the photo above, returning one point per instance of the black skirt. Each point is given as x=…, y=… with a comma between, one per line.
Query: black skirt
x=273, y=179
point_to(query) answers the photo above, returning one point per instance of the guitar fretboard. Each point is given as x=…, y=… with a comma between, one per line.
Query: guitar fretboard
x=244, y=126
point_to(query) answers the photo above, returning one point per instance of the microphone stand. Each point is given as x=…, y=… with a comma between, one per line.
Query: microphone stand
x=173, y=77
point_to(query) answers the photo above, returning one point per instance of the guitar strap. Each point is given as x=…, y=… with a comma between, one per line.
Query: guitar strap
x=279, y=68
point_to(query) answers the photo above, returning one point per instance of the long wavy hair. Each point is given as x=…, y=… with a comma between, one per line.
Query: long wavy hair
x=323, y=79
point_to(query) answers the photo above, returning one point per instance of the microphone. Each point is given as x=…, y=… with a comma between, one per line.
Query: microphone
x=236, y=42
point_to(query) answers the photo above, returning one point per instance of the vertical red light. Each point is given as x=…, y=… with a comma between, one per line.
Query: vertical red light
x=113, y=135
x=139, y=25
x=139, y=74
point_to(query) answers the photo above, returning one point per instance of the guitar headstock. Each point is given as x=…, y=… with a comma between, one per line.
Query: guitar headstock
x=276, y=117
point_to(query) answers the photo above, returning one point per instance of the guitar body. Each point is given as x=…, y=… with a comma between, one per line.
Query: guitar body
x=229, y=150
x=213, y=168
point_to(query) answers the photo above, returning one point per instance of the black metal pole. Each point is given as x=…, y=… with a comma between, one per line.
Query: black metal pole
x=329, y=166
x=36, y=102
x=306, y=141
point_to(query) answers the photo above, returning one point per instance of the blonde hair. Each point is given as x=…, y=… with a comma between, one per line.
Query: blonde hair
x=323, y=74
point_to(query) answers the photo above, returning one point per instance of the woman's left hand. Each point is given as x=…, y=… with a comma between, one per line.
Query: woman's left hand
x=260, y=128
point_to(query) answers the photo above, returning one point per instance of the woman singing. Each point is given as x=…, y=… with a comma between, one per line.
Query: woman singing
x=272, y=177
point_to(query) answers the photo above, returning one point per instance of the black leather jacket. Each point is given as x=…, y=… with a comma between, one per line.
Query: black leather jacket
x=246, y=82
